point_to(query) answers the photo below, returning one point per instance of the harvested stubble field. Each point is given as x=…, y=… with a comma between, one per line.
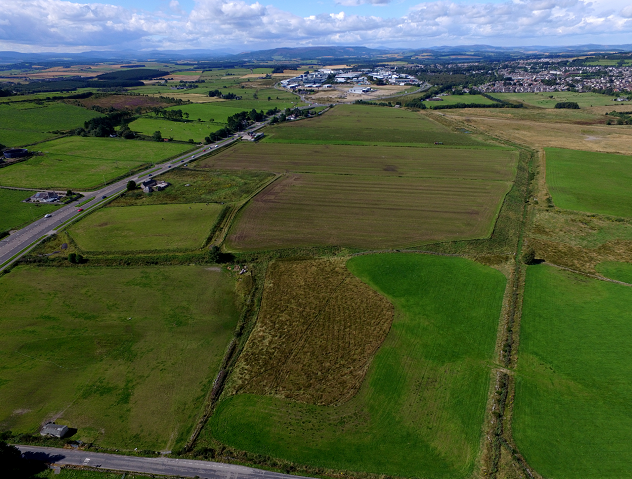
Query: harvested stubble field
x=363, y=124
x=204, y=186
x=317, y=331
x=572, y=134
x=14, y=213
x=589, y=181
x=550, y=99
x=151, y=227
x=366, y=212
x=383, y=161
x=125, y=355
x=80, y=163
x=26, y=123
x=419, y=411
x=572, y=415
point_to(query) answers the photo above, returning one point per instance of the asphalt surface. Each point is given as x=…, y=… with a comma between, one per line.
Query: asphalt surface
x=19, y=241
x=154, y=465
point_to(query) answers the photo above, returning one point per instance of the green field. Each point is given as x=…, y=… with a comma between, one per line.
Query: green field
x=615, y=270
x=24, y=123
x=549, y=99
x=589, y=181
x=420, y=409
x=80, y=163
x=140, y=228
x=349, y=124
x=125, y=355
x=453, y=99
x=178, y=130
x=14, y=213
x=572, y=414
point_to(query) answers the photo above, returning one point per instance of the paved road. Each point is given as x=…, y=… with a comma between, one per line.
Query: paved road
x=157, y=465
x=22, y=239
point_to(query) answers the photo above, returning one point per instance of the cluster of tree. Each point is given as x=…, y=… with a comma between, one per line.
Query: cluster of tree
x=132, y=75
x=620, y=118
x=381, y=103
x=4, y=93
x=571, y=105
x=76, y=258
x=72, y=85
x=225, y=96
x=238, y=122
x=289, y=112
x=172, y=115
x=282, y=68
x=106, y=125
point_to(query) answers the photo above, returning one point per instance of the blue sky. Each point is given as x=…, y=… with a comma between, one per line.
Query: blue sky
x=237, y=25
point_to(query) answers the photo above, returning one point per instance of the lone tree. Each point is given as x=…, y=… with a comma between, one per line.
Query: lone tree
x=528, y=256
x=214, y=254
x=72, y=257
x=157, y=136
x=131, y=185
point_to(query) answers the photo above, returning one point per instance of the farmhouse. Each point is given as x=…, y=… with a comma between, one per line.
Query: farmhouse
x=55, y=430
x=44, y=197
x=150, y=185
x=252, y=137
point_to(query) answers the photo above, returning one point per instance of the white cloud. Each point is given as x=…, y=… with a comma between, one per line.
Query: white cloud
x=65, y=25
x=357, y=3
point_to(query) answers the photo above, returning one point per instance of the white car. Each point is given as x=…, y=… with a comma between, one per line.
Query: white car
x=48, y=215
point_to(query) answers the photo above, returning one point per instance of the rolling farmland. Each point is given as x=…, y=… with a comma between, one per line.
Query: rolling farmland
x=572, y=415
x=419, y=412
x=80, y=163
x=14, y=213
x=151, y=227
x=91, y=336
x=590, y=182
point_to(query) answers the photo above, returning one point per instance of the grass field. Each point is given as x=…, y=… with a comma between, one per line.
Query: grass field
x=453, y=99
x=14, y=213
x=591, y=182
x=616, y=270
x=125, y=355
x=368, y=124
x=326, y=325
x=204, y=186
x=366, y=212
x=382, y=161
x=85, y=163
x=549, y=99
x=25, y=123
x=152, y=227
x=419, y=412
x=178, y=130
x=572, y=416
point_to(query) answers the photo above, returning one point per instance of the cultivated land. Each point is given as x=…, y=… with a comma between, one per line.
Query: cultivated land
x=549, y=99
x=80, y=163
x=572, y=417
x=14, y=213
x=194, y=185
x=152, y=227
x=127, y=355
x=590, y=182
x=420, y=410
x=362, y=124
x=25, y=123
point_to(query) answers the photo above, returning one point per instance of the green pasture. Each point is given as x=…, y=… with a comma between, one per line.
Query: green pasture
x=420, y=409
x=41, y=96
x=589, y=181
x=466, y=98
x=616, y=270
x=549, y=99
x=178, y=130
x=14, y=213
x=572, y=416
x=84, y=163
x=371, y=124
x=151, y=227
x=189, y=185
x=125, y=355
x=25, y=122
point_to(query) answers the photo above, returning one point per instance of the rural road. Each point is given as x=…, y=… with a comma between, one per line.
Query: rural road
x=17, y=244
x=151, y=465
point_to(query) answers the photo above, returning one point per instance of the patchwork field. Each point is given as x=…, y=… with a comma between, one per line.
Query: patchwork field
x=420, y=410
x=82, y=163
x=193, y=185
x=549, y=99
x=572, y=416
x=591, y=182
x=152, y=227
x=362, y=124
x=382, y=161
x=14, y=213
x=25, y=123
x=92, y=335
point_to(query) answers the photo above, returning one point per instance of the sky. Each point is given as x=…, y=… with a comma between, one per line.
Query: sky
x=243, y=25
